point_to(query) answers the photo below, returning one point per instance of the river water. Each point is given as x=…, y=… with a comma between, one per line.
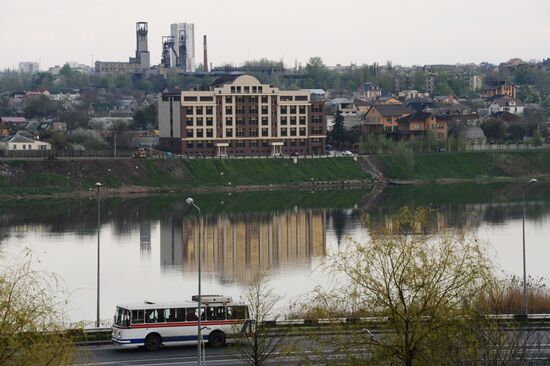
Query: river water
x=148, y=244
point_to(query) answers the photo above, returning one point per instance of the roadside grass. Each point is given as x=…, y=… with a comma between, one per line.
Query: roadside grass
x=469, y=165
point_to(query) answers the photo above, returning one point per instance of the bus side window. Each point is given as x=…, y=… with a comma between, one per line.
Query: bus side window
x=170, y=315
x=236, y=312
x=179, y=314
x=164, y=315
x=191, y=314
x=216, y=313
x=203, y=313
x=137, y=317
x=151, y=316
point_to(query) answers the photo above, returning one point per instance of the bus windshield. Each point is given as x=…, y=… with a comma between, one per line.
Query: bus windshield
x=122, y=317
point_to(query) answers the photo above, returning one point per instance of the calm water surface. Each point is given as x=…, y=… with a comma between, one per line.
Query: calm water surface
x=148, y=244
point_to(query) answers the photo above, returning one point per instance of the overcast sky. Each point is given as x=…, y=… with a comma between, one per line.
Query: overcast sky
x=406, y=32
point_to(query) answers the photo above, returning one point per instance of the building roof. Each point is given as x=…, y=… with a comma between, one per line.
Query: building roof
x=225, y=79
x=506, y=116
x=504, y=101
x=418, y=116
x=13, y=120
x=20, y=138
x=496, y=85
x=391, y=110
x=472, y=133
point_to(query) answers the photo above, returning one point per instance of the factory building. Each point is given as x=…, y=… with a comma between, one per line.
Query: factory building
x=238, y=115
x=139, y=63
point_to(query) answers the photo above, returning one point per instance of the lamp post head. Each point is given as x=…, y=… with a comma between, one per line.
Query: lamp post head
x=533, y=181
x=190, y=201
x=98, y=185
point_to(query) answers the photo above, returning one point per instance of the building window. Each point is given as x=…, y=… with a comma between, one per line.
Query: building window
x=189, y=121
x=247, y=89
x=239, y=99
x=302, y=120
x=189, y=110
x=265, y=131
x=189, y=99
x=240, y=132
x=265, y=109
x=209, y=121
x=189, y=145
x=302, y=131
x=209, y=110
x=293, y=109
x=260, y=89
x=238, y=89
x=292, y=132
x=265, y=121
x=199, y=110
x=228, y=132
x=283, y=109
x=254, y=143
x=240, y=143
x=199, y=121
x=254, y=121
x=229, y=121
x=253, y=110
x=284, y=132
x=240, y=110
x=286, y=98
x=240, y=121
x=254, y=89
x=209, y=132
x=232, y=89
x=228, y=110
x=264, y=99
x=302, y=109
x=209, y=143
x=253, y=132
x=189, y=133
x=293, y=120
x=228, y=99
x=200, y=133
x=284, y=120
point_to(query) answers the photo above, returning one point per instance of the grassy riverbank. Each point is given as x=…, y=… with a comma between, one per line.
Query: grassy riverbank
x=466, y=165
x=39, y=177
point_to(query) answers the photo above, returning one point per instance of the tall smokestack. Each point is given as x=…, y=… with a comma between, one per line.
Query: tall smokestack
x=205, y=61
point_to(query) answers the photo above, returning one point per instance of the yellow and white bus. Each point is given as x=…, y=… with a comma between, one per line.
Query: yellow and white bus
x=154, y=324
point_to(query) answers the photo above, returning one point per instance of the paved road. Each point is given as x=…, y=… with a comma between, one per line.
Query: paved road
x=174, y=355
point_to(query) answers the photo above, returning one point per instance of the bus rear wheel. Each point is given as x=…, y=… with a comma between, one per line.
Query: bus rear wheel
x=152, y=342
x=216, y=339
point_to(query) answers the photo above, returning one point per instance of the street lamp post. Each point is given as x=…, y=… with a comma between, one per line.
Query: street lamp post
x=191, y=202
x=525, y=295
x=98, y=186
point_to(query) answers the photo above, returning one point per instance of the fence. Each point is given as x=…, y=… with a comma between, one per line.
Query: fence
x=490, y=147
x=64, y=153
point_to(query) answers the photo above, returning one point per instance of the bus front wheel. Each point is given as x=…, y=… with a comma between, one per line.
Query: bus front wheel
x=152, y=342
x=216, y=339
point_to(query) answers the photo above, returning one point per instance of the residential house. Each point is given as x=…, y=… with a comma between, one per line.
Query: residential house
x=382, y=118
x=419, y=123
x=9, y=125
x=367, y=92
x=500, y=88
x=22, y=143
x=503, y=103
x=52, y=126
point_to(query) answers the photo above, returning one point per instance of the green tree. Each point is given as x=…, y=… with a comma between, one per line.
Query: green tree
x=259, y=342
x=40, y=106
x=146, y=118
x=31, y=318
x=426, y=283
x=516, y=133
x=494, y=129
x=337, y=133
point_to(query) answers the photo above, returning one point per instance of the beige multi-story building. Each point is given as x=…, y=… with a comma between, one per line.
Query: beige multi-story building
x=238, y=115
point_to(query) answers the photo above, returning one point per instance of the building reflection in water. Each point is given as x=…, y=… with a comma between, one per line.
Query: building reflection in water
x=145, y=238
x=237, y=247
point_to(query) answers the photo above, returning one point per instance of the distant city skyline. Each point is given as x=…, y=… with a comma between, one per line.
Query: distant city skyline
x=53, y=32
